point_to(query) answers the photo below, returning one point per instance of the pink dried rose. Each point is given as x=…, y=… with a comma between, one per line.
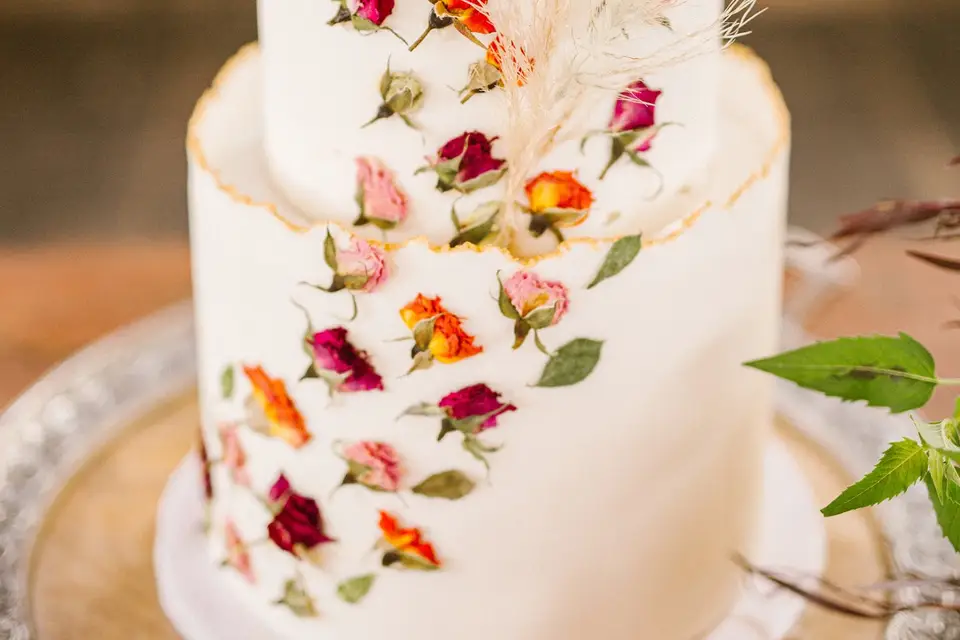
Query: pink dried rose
x=297, y=525
x=528, y=293
x=475, y=401
x=375, y=465
x=238, y=555
x=234, y=458
x=361, y=266
x=341, y=365
x=381, y=201
x=466, y=163
x=533, y=303
x=635, y=108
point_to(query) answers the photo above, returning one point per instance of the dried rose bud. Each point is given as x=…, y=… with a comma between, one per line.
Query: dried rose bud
x=402, y=95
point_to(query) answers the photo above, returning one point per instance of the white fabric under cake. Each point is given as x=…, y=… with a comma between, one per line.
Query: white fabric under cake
x=615, y=506
x=320, y=87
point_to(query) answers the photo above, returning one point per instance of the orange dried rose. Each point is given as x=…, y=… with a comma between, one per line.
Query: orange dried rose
x=408, y=546
x=445, y=341
x=466, y=13
x=422, y=308
x=450, y=343
x=274, y=410
x=558, y=190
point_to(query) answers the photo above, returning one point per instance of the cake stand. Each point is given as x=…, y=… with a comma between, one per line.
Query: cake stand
x=205, y=603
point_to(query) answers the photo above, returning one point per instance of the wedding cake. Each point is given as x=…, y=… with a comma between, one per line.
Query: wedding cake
x=474, y=283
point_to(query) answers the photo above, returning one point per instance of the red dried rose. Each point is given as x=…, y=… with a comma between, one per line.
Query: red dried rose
x=297, y=527
x=473, y=401
x=334, y=354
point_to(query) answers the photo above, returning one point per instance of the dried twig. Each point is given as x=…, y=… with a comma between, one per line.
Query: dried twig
x=859, y=603
x=950, y=264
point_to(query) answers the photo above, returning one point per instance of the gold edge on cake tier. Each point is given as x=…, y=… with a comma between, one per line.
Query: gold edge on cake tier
x=741, y=52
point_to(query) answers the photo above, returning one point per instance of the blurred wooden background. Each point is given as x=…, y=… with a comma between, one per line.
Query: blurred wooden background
x=96, y=94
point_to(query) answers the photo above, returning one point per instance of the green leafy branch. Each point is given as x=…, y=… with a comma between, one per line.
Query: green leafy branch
x=897, y=373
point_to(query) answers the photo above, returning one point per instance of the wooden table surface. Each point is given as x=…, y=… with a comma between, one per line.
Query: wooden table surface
x=58, y=298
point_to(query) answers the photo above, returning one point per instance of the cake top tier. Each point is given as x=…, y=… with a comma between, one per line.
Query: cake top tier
x=406, y=119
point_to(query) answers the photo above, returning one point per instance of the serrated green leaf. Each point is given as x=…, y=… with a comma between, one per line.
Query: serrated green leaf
x=330, y=251
x=356, y=589
x=227, y=382
x=897, y=373
x=619, y=257
x=506, y=305
x=571, y=363
x=901, y=466
x=937, y=467
x=948, y=511
x=956, y=410
x=451, y=485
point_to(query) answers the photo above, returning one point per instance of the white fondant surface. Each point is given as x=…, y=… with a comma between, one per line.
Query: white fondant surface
x=201, y=598
x=613, y=503
x=320, y=86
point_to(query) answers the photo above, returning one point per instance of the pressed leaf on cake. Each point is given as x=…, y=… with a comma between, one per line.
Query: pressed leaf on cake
x=618, y=258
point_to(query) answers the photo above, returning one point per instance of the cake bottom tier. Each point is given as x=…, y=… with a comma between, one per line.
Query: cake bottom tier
x=611, y=508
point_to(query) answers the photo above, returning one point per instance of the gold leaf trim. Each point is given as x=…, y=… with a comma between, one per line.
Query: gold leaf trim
x=740, y=52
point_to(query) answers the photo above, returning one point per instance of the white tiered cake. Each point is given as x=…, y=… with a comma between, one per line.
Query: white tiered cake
x=415, y=441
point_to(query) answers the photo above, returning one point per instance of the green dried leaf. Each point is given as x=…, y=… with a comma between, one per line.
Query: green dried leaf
x=451, y=485
x=541, y=318
x=363, y=24
x=485, y=179
x=520, y=332
x=571, y=363
x=298, y=600
x=330, y=251
x=310, y=373
x=423, y=409
x=897, y=373
x=356, y=589
x=506, y=306
x=477, y=233
x=902, y=465
x=422, y=361
x=355, y=282
x=227, y=382
x=619, y=257
x=385, y=82
x=423, y=333
x=947, y=510
x=391, y=558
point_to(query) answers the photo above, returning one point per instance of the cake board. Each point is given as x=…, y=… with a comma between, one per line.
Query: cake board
x=204, y=602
